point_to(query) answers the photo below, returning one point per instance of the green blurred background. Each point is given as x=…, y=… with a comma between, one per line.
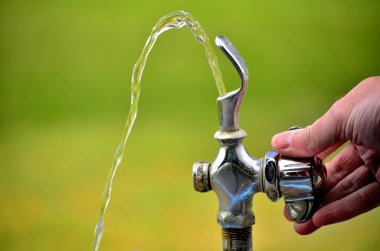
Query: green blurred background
x=64, y=97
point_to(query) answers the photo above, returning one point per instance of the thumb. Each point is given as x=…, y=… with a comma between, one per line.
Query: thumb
x=311, y=140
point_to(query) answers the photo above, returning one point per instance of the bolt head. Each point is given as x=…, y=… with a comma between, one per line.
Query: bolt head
x=201, y=176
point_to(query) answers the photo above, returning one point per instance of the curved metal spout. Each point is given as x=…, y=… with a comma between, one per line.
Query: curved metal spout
x=229, y=103
x=234, y=56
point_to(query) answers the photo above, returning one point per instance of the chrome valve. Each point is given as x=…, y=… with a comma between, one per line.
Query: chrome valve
x=235, y=176
x=296, y=179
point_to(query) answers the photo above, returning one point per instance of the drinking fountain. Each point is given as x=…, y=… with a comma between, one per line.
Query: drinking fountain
x=235, y=176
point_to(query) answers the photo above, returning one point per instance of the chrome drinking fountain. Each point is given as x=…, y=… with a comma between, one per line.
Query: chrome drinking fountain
x=235, y=176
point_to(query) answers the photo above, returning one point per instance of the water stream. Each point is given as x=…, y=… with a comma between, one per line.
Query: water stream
x=176, y=19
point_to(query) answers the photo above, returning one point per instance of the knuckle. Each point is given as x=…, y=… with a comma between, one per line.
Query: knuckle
x=364, y=197
x=307, y=140
x=339, y=113
x=373, y=79
x=367, y=197
x=349, y=186
x=337, y=175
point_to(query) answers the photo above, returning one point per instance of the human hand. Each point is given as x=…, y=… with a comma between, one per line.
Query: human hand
x=352, y=186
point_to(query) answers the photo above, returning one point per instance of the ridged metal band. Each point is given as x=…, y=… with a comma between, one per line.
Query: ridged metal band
x=237, y=239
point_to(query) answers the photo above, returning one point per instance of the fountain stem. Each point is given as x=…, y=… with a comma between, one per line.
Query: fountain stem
x=235, y=239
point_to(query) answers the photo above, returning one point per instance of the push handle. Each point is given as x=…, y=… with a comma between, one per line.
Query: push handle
x=298, y=180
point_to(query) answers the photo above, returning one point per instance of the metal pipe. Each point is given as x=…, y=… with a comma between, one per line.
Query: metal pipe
x=237, y=239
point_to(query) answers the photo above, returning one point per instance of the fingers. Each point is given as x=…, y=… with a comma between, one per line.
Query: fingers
x=354, y=117
x=343, y=178
x=323, y=155
x=361, y=177
x=371, y=158
x=305, y=228
x=341, y=165
x=365, y=199
x=350, y=206
x=312, y=140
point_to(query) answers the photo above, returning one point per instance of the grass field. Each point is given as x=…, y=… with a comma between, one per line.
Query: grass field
x=64, y=96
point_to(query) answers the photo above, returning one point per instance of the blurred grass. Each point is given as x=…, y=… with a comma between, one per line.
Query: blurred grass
x=64, y=95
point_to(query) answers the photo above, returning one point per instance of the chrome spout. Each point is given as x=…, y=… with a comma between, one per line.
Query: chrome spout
x=235, y=176
x=229, y=103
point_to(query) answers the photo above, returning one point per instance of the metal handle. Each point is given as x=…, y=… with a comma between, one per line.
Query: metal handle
x=298, y=180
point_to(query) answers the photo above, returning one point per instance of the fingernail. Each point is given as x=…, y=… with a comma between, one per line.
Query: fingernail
x=282, y=140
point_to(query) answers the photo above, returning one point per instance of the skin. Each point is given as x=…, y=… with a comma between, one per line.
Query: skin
x=352, y=186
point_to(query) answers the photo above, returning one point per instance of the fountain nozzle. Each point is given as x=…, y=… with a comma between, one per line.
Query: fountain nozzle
x=229, y=103
x=235, y=176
